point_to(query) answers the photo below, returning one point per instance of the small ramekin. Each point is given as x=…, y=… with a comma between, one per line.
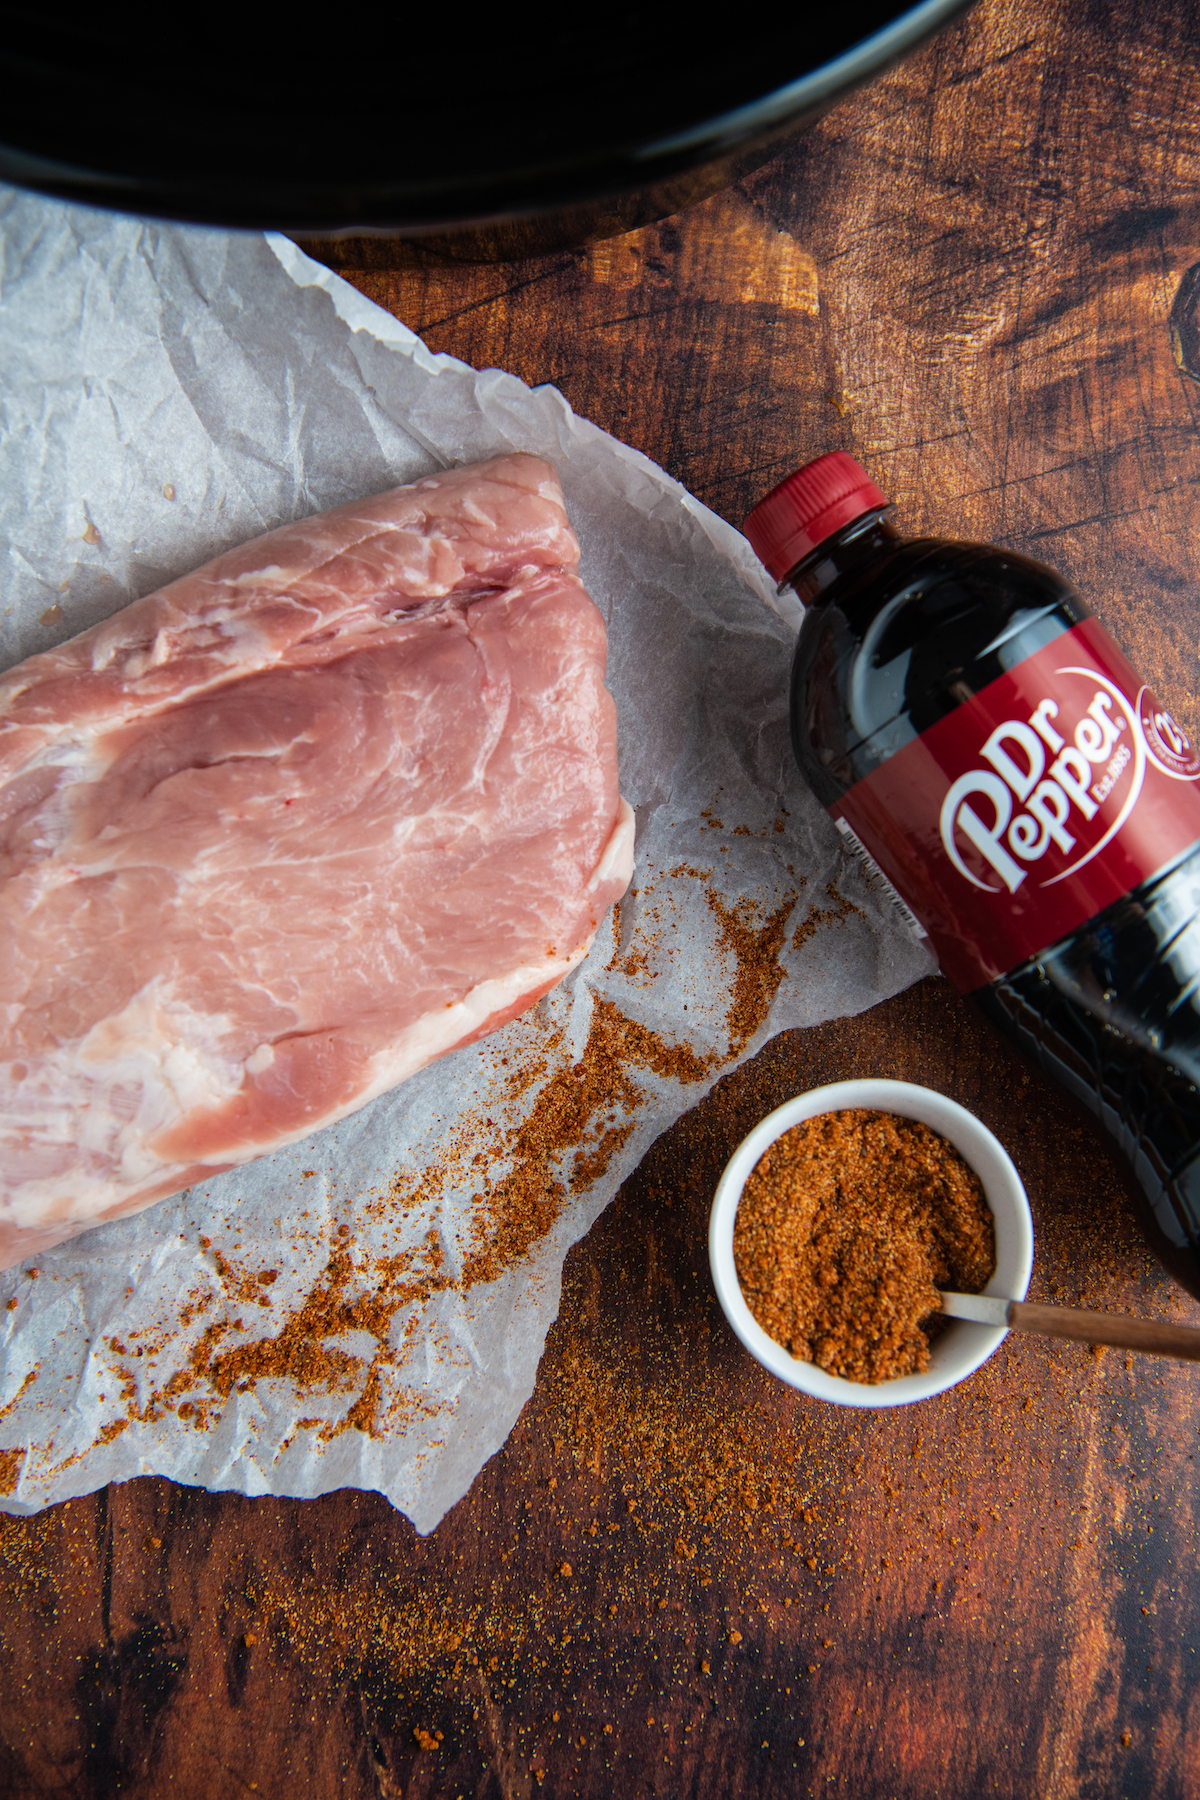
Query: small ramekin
x=962, y=1347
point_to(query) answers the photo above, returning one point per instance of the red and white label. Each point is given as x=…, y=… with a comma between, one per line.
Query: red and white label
x=1032, y=806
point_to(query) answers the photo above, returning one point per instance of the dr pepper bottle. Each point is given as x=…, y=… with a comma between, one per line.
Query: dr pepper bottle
x=980, y=739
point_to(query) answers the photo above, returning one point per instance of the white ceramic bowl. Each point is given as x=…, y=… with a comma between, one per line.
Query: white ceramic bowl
x=962, y=1347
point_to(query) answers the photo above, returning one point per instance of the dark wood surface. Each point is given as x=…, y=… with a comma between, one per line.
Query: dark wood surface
x=677, y=1578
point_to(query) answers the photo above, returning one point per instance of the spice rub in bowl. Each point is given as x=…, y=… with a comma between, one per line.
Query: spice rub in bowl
x=846, y=1228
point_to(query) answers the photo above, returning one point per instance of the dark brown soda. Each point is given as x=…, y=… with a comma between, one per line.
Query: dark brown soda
x=896, y=634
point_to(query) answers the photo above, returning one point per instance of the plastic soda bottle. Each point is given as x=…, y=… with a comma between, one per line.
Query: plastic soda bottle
x=982, y=742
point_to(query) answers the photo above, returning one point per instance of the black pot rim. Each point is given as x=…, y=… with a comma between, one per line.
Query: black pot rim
x=432, y=202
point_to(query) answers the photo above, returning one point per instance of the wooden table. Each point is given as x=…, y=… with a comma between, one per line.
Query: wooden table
x=678, y=1579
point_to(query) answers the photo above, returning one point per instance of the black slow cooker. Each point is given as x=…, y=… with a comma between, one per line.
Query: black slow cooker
x=486, y=131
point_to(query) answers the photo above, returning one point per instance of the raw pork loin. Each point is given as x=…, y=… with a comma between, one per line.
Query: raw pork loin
x=278, y=835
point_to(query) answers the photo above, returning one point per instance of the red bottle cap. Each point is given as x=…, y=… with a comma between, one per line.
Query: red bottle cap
x=808, y=507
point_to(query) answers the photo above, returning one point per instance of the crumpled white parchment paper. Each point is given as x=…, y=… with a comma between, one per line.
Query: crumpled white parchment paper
x=170, y=392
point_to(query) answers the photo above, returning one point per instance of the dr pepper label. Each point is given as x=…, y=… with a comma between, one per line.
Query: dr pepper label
x=1032, y=806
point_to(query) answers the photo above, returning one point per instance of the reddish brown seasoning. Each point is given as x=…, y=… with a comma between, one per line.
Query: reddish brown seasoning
x=846, y=1228
x=757, y=970
x=10, y=1469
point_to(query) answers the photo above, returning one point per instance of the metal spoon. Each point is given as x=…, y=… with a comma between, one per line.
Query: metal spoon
x=1152, y=1336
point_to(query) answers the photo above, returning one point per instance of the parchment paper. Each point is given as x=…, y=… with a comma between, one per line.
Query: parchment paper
x=368, y=1308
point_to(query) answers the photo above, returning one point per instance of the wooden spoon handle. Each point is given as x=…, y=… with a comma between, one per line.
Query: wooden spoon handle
x=1151, y=1336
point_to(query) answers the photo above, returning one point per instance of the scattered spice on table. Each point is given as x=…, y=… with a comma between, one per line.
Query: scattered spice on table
x=846, y=1228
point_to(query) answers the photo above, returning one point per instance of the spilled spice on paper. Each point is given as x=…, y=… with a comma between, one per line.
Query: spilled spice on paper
x=817, y=916
x=757, y=969
x=581, y=1117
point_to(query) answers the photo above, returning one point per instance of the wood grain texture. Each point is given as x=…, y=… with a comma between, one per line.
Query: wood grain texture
x=677, y=1579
